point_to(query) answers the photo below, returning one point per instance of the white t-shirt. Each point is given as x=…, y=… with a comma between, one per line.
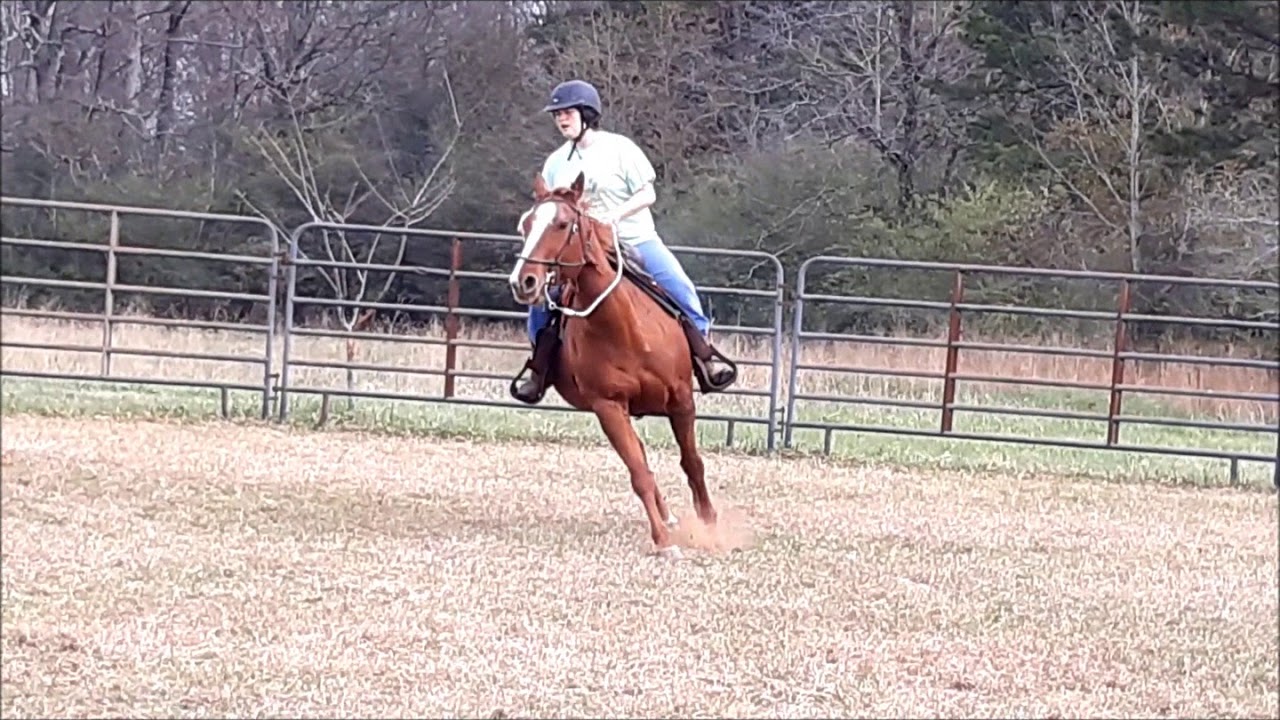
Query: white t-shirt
x=614, y=168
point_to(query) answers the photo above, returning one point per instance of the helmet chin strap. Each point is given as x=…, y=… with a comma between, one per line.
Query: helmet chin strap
x=582, y=130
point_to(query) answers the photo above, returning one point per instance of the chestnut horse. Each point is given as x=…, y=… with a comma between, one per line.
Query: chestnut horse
x=620, y=354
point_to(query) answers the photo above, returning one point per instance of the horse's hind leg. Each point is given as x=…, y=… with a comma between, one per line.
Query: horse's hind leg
x=683, y=425
x=617, y=427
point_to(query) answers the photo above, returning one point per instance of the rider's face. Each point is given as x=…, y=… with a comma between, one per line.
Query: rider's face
x=568, y=121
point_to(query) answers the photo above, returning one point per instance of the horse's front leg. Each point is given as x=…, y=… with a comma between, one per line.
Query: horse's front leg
x=663, y=511
x=617, y=427
x=683, y=426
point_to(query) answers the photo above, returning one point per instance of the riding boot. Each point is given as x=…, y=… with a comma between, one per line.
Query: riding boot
x=545, y=347
x=719, y=377
x=710, y=377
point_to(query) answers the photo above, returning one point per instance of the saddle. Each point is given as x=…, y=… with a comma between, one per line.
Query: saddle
x=633, y=269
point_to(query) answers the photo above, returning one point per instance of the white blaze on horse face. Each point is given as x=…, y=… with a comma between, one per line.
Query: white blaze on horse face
x=543, y=215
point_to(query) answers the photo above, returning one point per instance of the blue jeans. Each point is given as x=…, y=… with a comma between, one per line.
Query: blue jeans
x=665, y=268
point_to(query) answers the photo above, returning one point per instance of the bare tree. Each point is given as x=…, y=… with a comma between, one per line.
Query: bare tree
x=1112, y=102
x=864, y=71
x=1232, y=223
x=664, y=68
x=325, y=175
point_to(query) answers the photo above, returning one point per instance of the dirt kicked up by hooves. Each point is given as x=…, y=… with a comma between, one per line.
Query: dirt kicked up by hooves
x=730, y=533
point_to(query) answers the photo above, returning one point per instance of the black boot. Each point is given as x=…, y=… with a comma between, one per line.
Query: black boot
x=710, y=378
x=545, y=347
x=719, y=378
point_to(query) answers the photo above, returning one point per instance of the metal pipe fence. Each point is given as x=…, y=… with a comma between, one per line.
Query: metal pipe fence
x=115, y=246
x=441, y=366
x=386, y=376
x=955, y=312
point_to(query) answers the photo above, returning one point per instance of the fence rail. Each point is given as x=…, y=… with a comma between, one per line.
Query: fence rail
x=115, y=246
x=946, y=407
x=454, y=311
x=791, y=389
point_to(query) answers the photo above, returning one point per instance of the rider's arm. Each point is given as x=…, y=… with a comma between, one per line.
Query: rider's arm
x=643, y=198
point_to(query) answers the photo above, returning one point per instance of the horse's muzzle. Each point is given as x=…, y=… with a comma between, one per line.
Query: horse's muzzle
x=527, y=290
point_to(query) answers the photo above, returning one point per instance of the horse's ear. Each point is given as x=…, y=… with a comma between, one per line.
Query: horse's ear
x=540, y=189
x=578, y=183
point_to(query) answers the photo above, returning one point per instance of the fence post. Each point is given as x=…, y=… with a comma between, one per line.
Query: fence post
x=777, y=411
x=286, y=347
x=1117, y=364
x=108, y=299
x=1275, y=462
x=451, y=318
x=269, y=376
x=953, y=352
x=793, y=371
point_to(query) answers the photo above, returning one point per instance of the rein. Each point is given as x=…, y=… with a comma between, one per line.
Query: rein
x=558, y=263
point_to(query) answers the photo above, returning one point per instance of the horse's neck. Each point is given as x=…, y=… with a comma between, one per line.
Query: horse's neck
x=595, y=280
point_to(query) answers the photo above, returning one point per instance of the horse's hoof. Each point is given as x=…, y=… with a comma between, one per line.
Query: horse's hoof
x=670, y=552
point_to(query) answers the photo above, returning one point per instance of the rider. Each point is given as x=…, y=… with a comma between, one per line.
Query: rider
x=619, y=189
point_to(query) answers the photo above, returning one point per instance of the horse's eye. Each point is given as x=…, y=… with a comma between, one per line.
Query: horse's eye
x=562, y=224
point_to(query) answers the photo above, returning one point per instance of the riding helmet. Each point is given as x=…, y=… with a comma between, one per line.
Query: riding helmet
x=575, y=93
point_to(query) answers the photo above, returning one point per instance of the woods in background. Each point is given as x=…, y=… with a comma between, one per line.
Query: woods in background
x=1112, y=135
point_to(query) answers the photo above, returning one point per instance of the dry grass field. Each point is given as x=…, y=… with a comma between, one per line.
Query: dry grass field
x=245, y=569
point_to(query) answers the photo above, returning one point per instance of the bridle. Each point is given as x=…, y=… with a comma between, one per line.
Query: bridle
x=575, y=229
x=557, y=263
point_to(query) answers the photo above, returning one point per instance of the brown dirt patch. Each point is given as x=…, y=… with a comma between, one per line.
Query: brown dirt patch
x=154, y=569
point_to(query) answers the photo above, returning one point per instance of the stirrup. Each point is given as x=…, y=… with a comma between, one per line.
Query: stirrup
x=514, y=387
x=546, y=347
x=706, y=380
x=702, y=353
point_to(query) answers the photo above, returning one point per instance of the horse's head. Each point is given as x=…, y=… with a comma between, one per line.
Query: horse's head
x=558, y=242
